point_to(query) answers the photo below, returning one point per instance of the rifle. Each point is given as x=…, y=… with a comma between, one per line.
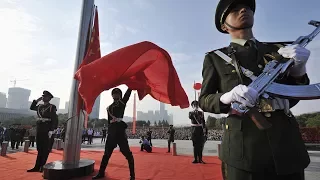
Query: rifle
x=265, y=86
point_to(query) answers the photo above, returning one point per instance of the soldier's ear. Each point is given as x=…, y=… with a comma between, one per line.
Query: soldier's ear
x=224, y=27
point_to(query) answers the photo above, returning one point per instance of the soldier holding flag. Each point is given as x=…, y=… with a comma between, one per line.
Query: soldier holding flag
x=117, y=133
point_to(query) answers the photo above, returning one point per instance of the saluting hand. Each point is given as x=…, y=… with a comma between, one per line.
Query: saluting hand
x=39, y=99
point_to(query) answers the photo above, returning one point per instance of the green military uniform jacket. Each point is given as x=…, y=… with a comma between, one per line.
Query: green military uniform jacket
x=244, y=146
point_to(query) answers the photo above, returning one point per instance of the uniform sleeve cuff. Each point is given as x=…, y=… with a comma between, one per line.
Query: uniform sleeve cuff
x=219, y=106
x=302, y=80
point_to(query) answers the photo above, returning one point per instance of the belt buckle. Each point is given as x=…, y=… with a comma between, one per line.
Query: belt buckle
x=265, y=105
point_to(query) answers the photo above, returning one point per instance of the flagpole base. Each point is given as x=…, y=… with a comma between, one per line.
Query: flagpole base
x=57, y=170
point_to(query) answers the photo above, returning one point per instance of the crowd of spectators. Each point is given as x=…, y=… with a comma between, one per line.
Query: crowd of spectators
x=161, y=133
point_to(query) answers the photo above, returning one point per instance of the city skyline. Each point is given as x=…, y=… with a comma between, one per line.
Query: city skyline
x=153, y=115
x=46, y=43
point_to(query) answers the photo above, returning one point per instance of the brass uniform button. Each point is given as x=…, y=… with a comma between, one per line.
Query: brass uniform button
x=227, y=127
x=233, y=71
x=260, y=66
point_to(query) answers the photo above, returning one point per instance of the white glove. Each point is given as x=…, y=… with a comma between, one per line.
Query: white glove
x=242, y=94
x=50, y=133
x=300, y=56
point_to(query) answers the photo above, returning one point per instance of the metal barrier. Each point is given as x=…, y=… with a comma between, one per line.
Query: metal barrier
x=58, y=143
x=26, y=146
x=174, y=149
x=4, y=148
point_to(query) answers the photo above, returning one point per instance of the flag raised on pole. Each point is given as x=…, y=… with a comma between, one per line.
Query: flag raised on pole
x=144, y=67
x=93, y=53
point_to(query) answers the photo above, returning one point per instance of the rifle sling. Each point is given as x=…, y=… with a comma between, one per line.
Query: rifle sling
x=231, y=53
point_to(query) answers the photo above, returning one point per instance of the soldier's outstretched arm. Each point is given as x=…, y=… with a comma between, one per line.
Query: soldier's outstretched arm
x=127, y=95
x=54, y=118
x=209, y=99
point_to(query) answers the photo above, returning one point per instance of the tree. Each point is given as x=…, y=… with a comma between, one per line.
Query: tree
x=167, y=123
x=163, y=123
x=218, y=123
x=303, y=118
x=148, y=122
x=155, y=123
x=313, y=122
x=211, y=122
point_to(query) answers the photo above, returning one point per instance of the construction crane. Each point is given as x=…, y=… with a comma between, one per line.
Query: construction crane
x=15, y=81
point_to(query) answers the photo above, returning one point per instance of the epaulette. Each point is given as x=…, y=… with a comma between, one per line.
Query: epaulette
x=279, y=44
x=224, y=49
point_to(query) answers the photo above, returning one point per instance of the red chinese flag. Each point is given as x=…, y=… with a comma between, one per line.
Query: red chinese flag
x=93, y=53
x=144, y=67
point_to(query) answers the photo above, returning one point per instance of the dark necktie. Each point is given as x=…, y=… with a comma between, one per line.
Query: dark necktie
x=251, y=44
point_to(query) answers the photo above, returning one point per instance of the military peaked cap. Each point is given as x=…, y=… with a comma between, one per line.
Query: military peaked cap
x=47, y=93
x=225, y=6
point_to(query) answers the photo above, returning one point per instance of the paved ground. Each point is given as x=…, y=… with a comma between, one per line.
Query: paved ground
x=184, y=147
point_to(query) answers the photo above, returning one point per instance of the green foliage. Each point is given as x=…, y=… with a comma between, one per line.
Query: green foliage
x=211, y=122
x=309, y=120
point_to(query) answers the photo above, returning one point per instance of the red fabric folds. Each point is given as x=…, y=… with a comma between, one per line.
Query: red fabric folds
x=144, y=67
x=93, y=53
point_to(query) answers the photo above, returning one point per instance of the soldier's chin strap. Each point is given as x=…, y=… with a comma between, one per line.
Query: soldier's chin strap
x=232, y=27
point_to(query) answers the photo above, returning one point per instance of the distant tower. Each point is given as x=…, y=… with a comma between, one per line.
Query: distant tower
x=18, y=98
x=56, y=102
x=96, y=109
x=3, y=100
x=66, y=106
x=162, y=111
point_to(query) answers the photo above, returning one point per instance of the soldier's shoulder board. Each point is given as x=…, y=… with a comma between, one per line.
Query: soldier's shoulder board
x=53, y=107
x=224, y=49
x=278, y=44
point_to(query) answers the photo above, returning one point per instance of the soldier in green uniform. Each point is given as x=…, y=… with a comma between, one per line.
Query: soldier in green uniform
x=47, y=123
x=247, y=152
x=198, y=125
x=15, y=136
x=171, y=131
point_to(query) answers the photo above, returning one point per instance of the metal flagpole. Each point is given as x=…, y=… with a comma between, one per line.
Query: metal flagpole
x=71, y=154
x=195, y=91
x=72, y=166
x=134, y=117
